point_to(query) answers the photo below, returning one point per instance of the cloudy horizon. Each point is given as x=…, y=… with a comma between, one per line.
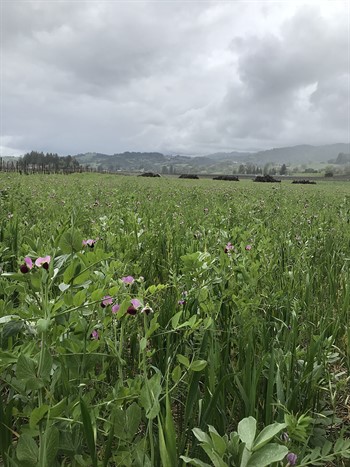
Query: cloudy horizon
x=188, y=77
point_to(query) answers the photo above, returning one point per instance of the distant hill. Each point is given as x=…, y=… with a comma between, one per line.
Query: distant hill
x=125, y=161
x=221, y=162
x=301, y=154
x=341, y=159
x=143, y=161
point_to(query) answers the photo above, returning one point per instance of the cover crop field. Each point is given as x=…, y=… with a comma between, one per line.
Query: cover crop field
x=165, y=322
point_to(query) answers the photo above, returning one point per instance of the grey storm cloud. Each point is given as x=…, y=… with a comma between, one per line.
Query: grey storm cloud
x=179, y=76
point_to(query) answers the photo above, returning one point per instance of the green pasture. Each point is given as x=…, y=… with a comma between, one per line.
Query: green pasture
x=205, y=323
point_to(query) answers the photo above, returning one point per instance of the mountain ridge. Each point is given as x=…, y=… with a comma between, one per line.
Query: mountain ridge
x=156, y=161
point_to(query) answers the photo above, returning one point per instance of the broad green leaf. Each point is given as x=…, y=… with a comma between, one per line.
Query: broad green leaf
x=202, y=436
x=123, y=308
x=214, y=457
x=203, y=294
x=79, y=298
x=37, y=414
x=27, y=449
x=149, y=397
x=143, y=344
x=218, y=442
x=198, y=365
x=133, y=419
x=97, y=294
x=113, y=291
x=57, y=305
x=81, y=277
x=25, y=369
x=175, y=319
x=71, y=271
x=35, y=281
x=154, y=325
x=7, y=358
x=8, y=318
x=12, y=328
x=51, y=442
x=327, y=447
x=70, y=241
x=246, y=431
x=267, y=434
x=58, y=408
x=184, y=360
x=267, y=455
x=141, y=458
x=176, y=374
x=34, y=383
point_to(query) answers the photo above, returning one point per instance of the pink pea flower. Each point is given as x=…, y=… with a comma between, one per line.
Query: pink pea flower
x=94, y=334
x=135, y=304
x=27, y=266
x=115, y=308
x=248, y=247
x=107, y=300
x=228, y=247
x=90, y=242
x=43, y=262
x=128, y=280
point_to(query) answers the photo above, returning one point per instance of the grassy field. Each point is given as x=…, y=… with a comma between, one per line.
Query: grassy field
x=165, y=322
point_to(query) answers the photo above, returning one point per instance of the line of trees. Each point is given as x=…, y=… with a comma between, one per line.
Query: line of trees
x=35, y=161
x=49, y=160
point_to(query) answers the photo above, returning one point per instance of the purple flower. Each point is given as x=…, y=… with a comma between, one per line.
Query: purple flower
x=228, y=247
x=94, y=334
x=248, y=247
x=28, y=264
x=90, y=242
x=128, y=280
x=43, y=261
x=107, y=300
x=291, y=458
x=135, y=304
x=115, y=308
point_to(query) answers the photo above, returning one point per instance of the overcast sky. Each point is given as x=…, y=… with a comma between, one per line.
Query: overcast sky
x=190, y=77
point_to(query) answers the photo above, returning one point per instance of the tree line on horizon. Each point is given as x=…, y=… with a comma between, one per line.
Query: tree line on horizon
x=35, y=161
